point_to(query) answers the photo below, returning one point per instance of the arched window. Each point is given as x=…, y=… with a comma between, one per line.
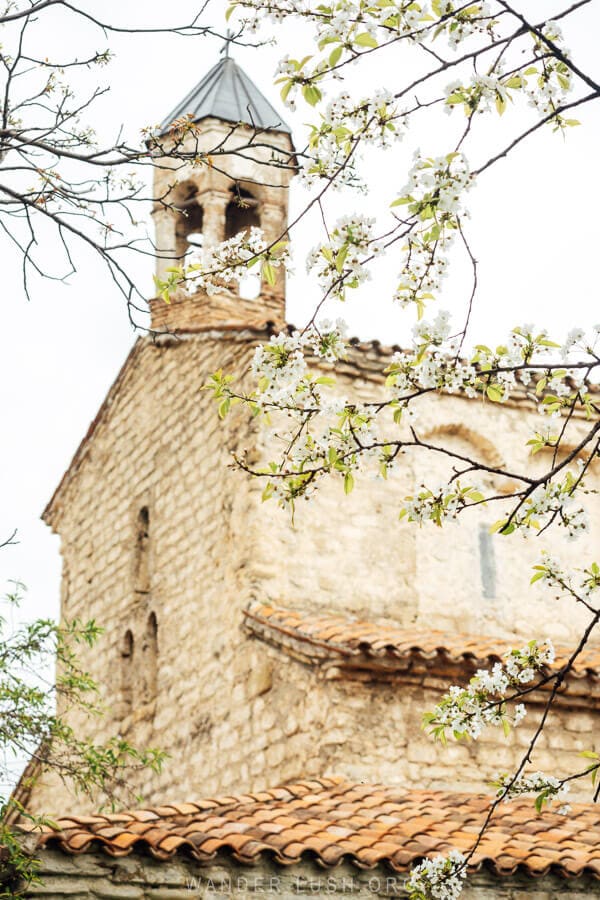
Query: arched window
x=127, y=653
x=188, y=230
x=150, y=659
x=241, y=215
x=142, y=552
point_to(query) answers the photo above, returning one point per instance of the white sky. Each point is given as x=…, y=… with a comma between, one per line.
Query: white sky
x=533, y=230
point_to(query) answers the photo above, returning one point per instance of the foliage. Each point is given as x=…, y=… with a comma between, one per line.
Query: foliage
x=34, y=725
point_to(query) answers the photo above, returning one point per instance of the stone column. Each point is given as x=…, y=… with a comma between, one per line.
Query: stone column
x=164, y=239
x=214, y=205
x=273, y=220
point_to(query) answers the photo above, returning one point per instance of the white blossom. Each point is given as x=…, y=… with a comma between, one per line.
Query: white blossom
x=548, y=788
x=441, y=878
x=341, y=262
x=214, y=268
x=466, y=711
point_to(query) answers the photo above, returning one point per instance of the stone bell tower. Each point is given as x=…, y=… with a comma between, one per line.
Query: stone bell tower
x=239, y=159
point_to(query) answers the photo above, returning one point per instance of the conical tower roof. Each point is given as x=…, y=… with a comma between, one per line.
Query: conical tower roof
x=227, y=93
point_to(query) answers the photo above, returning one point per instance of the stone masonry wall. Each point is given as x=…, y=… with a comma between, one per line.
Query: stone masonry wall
x=233, y=713
x=95, y=875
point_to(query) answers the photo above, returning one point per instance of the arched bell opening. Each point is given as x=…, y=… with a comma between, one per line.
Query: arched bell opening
x=189, y=224
x=242, y=214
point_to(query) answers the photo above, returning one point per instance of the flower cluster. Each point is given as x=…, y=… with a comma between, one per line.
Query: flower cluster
x=362, y=25
x=430, y=365
x=340, y=264
x=441, y=878
x=328, y=434
x=579, y=583
x=463, y=21
x=439, y=504
x=548, y=502
x=345, y=123
x=345, y=22
x=215, y=268
x=433, y=364
x=546, y=787
x=330, y=447
x=579, y=341
x=281, y=369
x=551, y=78
x=545, y=84
x=482, y=94
x=433, y=198
x=465, y=712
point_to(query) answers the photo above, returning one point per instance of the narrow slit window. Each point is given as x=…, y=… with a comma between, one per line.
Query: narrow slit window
x=142, y=550
x=127, y=662
x=150, y=659
x=487, y=563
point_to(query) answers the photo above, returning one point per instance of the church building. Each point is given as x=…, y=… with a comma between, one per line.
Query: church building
x=285, y=666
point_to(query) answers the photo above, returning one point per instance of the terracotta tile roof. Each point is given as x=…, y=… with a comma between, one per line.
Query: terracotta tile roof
x=351, y=644
x=330, y=819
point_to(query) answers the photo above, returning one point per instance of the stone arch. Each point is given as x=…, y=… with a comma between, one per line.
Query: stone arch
x=488, y=451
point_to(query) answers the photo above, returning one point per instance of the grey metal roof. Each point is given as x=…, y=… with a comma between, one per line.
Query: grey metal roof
x=227, y=93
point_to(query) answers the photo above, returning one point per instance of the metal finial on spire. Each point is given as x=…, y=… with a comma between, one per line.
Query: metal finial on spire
x=225, y=48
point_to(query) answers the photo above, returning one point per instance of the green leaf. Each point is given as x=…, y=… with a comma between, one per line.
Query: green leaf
x=286, y=89
x=365, y=40
x=311, y=94
x=497, y=526
x=401, y=201
x=476, y=496
x=494, y=392
x=268, y=492
x=515, y=82
x=348, y=482
x=341, y=257
x=334, y=56
x=269, y=273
